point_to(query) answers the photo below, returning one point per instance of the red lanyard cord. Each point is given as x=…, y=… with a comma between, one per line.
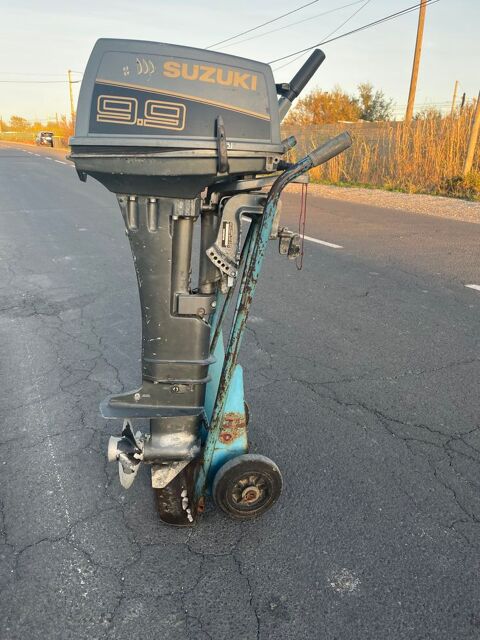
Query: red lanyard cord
x=302, y=219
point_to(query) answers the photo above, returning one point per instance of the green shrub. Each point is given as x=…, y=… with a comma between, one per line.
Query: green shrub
x=463, y=186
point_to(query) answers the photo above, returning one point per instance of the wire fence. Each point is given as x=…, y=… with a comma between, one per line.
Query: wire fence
x=426, y=155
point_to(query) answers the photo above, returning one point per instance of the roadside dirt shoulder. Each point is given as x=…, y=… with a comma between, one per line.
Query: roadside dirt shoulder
x=438, y=206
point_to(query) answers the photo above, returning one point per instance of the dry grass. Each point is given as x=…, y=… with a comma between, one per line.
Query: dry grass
x=425, y=156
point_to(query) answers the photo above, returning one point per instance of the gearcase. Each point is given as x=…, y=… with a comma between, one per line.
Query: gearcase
x=190, y=138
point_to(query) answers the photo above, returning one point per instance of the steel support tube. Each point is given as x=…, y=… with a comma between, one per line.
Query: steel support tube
x=247, y=289
x=181, y=256
x=208, y=272
x=246, y=250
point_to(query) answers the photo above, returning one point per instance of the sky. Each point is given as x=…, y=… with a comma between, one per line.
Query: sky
x=40, y=41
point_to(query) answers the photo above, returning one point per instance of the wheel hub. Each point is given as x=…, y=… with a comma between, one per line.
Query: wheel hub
x=251, y=494
x=250, y=490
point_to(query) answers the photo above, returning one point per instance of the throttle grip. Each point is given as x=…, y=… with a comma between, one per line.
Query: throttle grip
x=292, y=90
x=304, y=74
x=330, y=149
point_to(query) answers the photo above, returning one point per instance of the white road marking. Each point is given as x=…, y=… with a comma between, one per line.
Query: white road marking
x=37, y=154
x=47, y=158
x=60, y=162
x=327, y=244
x=324, y=242
x=473, y=286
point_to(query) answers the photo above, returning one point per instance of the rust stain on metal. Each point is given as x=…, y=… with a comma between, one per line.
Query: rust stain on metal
x=201, y=504
x=234, y=425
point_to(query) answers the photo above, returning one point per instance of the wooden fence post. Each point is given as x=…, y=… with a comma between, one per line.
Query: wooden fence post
x=454, y=99
x=472, y=142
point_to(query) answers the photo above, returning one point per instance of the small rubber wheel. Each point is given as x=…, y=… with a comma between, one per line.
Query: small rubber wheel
x=247, y=486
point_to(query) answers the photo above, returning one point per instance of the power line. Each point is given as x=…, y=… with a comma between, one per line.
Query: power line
x=293, y=24
x=424, y=104
x=19, y=73
x=40, y=81
x=349, y=33
x=331, y=32
x=48, y=75
x=348, y=19
x=264, y=24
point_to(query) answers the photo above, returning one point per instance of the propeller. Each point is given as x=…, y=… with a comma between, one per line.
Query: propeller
x=128, y=450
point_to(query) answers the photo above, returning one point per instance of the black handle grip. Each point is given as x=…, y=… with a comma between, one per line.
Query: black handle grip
x=330, y=149
x=304, y=74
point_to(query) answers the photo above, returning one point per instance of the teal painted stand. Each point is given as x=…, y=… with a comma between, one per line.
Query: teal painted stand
x=233, y=438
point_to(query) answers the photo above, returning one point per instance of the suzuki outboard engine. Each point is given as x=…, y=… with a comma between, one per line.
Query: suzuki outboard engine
x=183, y=135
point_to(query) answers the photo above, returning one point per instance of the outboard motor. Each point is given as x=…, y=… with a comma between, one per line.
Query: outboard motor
x=188, y=137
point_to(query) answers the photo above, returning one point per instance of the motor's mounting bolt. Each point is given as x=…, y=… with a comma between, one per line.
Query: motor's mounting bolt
x=175, y=389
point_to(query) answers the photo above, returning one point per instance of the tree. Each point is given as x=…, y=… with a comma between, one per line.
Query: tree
x=373, y=106
x=428, y=113
x=324, y=107
x=17, y=123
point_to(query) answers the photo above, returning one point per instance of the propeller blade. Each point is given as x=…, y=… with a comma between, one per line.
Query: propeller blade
x=127, y=477
x=112, y=450
x=127, y=431
x=134, y=438
x=128, y=450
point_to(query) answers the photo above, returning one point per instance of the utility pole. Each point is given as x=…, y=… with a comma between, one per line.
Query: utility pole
x=72, y=108
x=416, y=60
x=454, y=99
x=472, y=143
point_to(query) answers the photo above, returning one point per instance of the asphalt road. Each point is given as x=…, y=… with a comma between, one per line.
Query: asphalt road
x=362, y=377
